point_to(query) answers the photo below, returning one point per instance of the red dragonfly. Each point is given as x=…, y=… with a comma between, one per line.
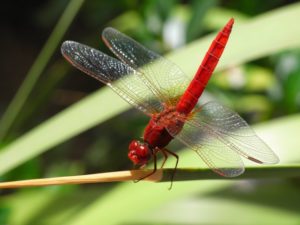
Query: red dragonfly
x=162, y=91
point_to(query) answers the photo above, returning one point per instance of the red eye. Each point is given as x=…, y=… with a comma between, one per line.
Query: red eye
x=139, y=153
x=133, y=145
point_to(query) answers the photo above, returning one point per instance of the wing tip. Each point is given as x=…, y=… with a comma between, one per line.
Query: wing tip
x=107, y=31
x=107, y=36
x=230, y=172
x=275, y=160
x=66, y=46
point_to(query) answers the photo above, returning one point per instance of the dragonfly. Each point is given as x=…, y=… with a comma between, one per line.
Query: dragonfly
x=160, y=89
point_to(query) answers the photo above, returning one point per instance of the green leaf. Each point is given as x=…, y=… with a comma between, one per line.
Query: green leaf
x=268, y=205
x=38, y=66
x=198, y=11
x=67, y=124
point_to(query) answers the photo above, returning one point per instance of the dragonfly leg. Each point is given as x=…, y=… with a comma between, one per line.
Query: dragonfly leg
x=154, y=168
x=135, y=167
x=165, y=157
x=166, y=151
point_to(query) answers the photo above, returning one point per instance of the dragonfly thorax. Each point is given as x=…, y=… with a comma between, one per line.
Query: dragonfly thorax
x=169, y=117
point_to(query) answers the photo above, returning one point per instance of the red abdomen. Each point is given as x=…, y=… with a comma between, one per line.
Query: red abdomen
x=190, y=97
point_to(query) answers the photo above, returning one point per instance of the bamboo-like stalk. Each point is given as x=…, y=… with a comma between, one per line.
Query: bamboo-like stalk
x=262, y=172
x=116, y=176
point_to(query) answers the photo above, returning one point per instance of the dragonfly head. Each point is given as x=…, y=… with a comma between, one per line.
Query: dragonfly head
x=139, y=152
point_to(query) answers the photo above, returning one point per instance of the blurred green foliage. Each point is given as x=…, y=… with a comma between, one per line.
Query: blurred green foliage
x=261, y=90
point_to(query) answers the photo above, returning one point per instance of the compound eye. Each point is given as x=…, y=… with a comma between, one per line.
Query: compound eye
x=139, y=153
x=134, y=145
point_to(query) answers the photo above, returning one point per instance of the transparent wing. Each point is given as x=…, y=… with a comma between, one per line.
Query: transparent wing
x=123, y=79
x=235, y=130
x=165, y=79
x=213, y=149
x=219, y=136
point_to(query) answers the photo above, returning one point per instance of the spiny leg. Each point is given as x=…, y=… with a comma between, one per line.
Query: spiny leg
x=165, y=151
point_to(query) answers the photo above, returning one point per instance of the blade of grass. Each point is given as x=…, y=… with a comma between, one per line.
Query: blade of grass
x=195, y=25
x=203, y=209
x=48, y=205
x=38, y=66
x=258, y=37
x=257, y=172
x=66, y=124
x=61, y=127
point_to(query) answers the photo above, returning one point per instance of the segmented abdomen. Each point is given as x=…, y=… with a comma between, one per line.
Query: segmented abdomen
x=190, y=97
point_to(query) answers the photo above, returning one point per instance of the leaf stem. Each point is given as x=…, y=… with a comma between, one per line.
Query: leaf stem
x=257, y=172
